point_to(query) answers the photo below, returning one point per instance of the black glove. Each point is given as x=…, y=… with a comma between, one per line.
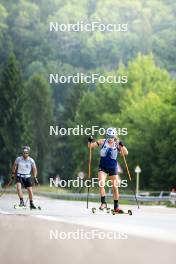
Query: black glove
x=36, y=181
x=90, y=139
x=121, y=144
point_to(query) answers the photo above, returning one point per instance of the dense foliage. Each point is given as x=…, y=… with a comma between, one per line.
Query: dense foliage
x=29, y=52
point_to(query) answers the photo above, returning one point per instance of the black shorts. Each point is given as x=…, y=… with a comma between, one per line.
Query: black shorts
x=110, y=171
x=26, y=182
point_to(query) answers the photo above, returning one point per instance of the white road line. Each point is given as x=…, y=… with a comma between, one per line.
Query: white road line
x=141, y=231
x=4, y=212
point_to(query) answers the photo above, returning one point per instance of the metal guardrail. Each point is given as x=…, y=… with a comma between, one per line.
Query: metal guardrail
x=82, y=196
x=96, y=196
x=146, y=198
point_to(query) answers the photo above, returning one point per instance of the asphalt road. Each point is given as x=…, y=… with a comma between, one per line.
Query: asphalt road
x=66, y=231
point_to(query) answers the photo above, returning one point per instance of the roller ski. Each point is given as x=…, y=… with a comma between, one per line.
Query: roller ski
x=120, y=211
x=103, y=207
x=20, y=206
x=17, y=206
x=33, y=207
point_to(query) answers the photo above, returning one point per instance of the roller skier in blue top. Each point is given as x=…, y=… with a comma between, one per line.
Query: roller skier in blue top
x=110, y=147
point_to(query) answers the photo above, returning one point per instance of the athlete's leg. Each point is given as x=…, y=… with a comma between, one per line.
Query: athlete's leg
x=19, y=190
x=102, y=179
x=30, y=193
x=115, y=183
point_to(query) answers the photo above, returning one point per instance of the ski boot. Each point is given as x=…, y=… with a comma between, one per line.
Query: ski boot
x=103, y=206
x=32, y=206
x=21, y=203
x=117, y=211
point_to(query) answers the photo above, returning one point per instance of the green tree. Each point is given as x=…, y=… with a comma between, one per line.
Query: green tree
x=144, y=107
x=12, y=113
x=164, y=167
x=40, y=112
x=145, y=110
x=66, y=146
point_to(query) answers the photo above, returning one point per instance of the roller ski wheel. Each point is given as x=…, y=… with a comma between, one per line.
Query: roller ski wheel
x=130, y=212
x=108, y=210
x=94, y=210
x=113, y=212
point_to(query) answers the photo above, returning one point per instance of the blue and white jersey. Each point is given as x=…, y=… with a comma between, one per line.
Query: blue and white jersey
x=24, y=166
x=108, y=155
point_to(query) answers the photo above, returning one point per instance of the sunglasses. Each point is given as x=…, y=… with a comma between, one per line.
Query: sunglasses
x=26, y=153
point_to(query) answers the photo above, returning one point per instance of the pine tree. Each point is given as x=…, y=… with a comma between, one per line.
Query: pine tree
x=12, y=113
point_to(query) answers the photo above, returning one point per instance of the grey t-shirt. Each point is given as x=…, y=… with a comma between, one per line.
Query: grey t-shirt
x=24, y=166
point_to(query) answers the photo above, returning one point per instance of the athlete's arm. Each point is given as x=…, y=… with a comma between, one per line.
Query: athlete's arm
x=95, y=144
x=123, y=148
x=34, y=171
x=14, y=168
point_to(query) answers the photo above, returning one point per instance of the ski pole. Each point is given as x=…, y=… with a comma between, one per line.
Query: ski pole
x=25, y=204
x=89, y=172
x=129, y=175
x=5, y=188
